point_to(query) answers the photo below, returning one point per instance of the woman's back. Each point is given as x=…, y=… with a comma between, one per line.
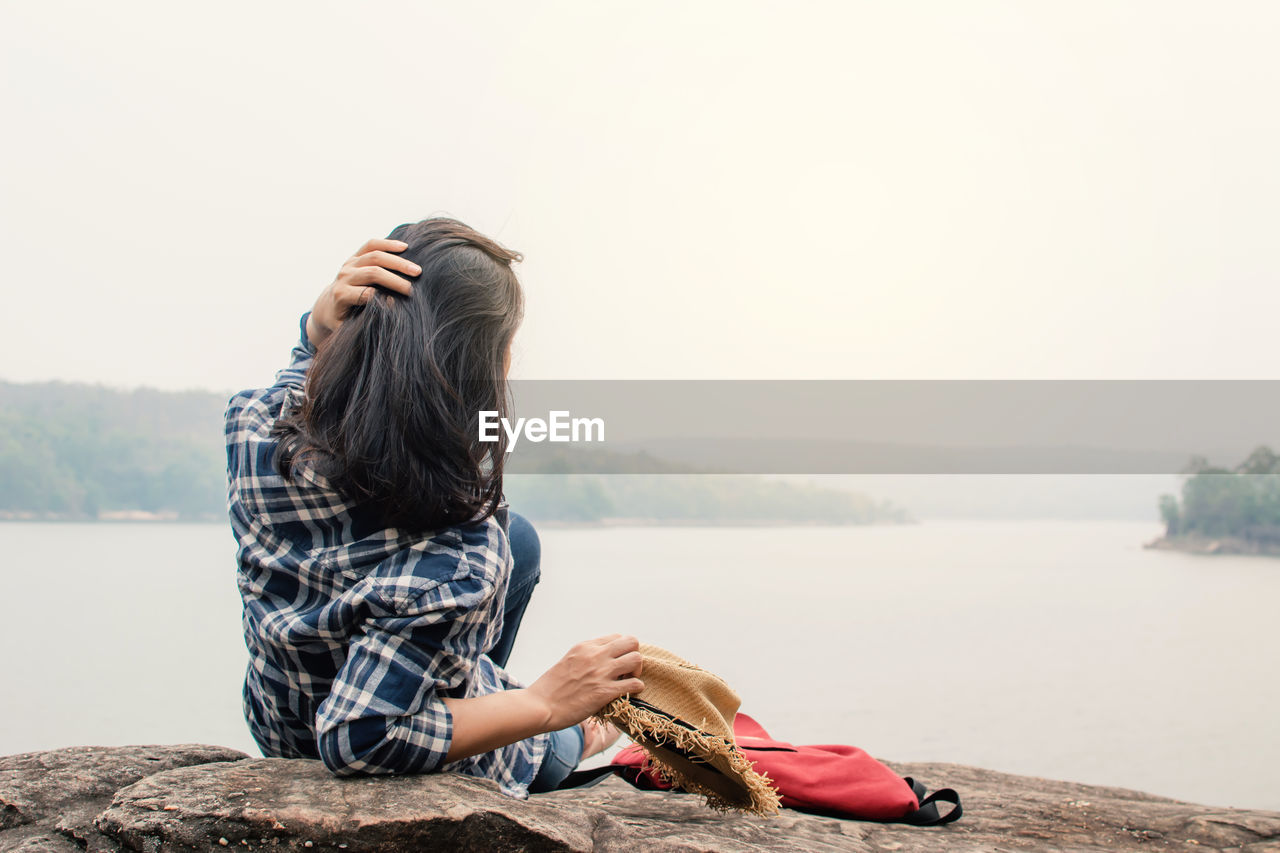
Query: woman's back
x=375, y=555
x=350, y=624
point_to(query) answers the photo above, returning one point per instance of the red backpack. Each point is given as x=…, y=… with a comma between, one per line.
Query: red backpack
x=833, y=780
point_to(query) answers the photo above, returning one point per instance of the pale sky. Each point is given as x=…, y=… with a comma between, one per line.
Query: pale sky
x=728, y=190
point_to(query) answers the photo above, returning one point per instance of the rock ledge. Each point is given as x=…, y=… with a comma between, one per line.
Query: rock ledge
x=194, y=797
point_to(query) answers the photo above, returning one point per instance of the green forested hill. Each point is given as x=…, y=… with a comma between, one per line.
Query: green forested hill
x=82, y=451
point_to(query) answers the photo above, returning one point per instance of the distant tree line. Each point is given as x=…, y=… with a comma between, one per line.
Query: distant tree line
x=73, y=451
x=76, y=451
x=1241, y=502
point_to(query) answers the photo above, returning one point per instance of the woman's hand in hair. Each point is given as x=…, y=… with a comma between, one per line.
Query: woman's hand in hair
x=590, y=676
x=374, y=265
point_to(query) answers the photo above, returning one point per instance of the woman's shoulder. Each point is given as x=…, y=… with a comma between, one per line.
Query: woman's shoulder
x=254, y=410
x=305, y=499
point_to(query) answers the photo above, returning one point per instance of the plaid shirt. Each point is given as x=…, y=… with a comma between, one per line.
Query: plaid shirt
x=355, y=631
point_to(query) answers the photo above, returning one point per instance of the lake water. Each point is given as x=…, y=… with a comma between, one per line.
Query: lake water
x=1058, y=649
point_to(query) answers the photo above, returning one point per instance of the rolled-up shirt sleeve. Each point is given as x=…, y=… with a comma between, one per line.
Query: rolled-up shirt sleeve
x=384, y=712
x=295, y=375
x=253, y=412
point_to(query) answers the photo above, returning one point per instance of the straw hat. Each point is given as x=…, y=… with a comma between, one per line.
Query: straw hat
x=683, y=719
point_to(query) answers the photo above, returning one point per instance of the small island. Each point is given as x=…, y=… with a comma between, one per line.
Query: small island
x=1225, y=511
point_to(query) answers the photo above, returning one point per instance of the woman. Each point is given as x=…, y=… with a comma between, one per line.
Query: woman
x=382, y=576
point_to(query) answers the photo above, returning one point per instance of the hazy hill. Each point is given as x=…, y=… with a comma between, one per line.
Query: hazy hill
x=82, y=450
x=79, y=451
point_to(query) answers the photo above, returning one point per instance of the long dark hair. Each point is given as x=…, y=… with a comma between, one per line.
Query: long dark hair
x=393, y=397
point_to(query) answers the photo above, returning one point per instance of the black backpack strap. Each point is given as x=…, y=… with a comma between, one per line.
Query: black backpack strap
x=587, y=778
x=596, y=775
x=927, y=814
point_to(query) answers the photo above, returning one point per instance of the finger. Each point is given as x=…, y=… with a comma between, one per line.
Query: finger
x=629, y=664
x=601, y=641
x=630, y=687
x=380, y=277
x=382, y=244
x=621, y=645
x=377, y=277
x=362, y=296
x=390, y=261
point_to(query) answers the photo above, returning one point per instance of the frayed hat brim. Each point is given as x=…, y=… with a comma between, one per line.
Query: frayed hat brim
x=694, y=760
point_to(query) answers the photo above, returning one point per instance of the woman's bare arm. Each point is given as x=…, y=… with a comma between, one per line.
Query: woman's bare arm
x=590, y=676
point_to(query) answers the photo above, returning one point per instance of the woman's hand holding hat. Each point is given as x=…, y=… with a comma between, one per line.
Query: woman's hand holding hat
x=684, y=721
x=591, y=675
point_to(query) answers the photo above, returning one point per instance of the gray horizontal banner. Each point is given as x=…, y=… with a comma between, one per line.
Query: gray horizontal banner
x=885, y=427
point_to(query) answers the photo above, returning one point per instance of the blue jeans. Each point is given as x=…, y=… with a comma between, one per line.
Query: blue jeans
x=564, y=750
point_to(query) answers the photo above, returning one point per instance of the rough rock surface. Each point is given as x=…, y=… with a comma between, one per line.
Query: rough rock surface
x=204, y=798
x=48, y=800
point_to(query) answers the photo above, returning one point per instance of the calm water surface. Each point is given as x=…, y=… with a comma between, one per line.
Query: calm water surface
x=1057, y=649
